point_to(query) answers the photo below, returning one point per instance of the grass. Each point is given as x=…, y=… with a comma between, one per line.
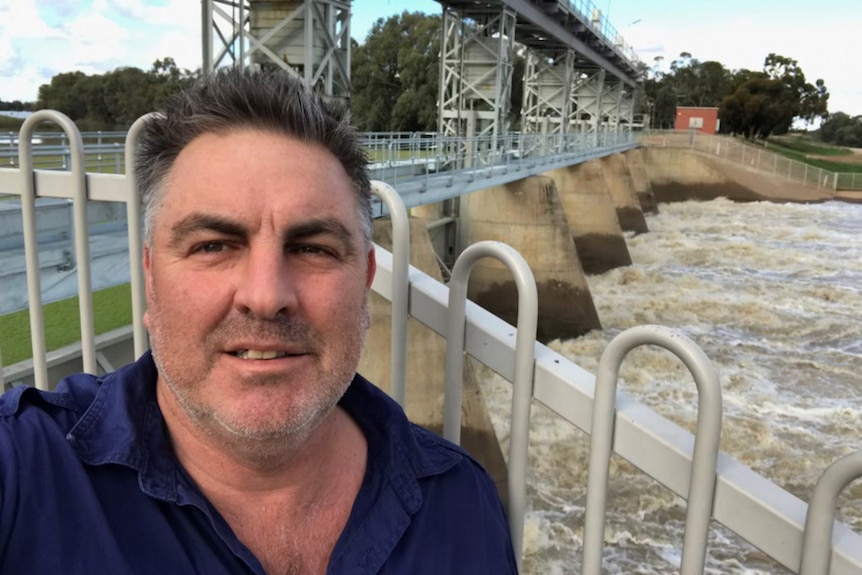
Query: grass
x=808, y=146
x=113, y=309
x=801, y=150
x=9, y=124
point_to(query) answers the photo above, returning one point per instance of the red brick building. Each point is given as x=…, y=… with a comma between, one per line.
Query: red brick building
x=703, y=120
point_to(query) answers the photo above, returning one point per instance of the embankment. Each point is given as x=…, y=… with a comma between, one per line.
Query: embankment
x=678, y=174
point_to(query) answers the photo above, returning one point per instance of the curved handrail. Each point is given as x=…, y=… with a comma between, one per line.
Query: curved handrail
x=400, y=287
x=136, y=251
x=819, y=521
x=706, y=443
x=31, y=243
x=522, y=381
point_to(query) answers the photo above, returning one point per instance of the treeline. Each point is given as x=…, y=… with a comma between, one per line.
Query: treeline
x=395, y=75
x=113, y=100
x=755, y=104
x=17, y=106
x=842, y=130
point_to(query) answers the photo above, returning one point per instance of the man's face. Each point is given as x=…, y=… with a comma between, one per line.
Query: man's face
x=257, y=278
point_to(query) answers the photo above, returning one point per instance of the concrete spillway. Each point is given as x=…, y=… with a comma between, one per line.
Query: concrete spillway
x=109, y=253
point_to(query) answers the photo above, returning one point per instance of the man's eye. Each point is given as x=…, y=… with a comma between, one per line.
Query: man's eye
x=210, y=248
x=312, y=250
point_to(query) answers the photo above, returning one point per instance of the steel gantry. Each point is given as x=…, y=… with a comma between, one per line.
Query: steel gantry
x=477, y=59
x=307, y=38
x=548, y=83
x=580, y=74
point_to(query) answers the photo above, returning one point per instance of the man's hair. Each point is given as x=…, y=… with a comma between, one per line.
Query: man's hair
x=236, y=99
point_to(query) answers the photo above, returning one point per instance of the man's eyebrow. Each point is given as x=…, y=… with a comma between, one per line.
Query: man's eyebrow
x=197, y=222
x=319, y=227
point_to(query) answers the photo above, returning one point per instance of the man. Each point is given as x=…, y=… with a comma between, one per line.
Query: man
x=244, y=442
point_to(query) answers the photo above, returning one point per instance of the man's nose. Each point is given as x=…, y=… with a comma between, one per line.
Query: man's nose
x=266, y=287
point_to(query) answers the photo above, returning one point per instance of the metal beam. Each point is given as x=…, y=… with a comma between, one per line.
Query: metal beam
x=530, y=11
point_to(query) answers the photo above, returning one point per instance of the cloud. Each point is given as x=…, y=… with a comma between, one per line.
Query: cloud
x=91, y=36
x=41, y=38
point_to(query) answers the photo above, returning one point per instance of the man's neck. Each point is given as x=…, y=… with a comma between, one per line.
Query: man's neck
x=299, y=465
x=288, y=510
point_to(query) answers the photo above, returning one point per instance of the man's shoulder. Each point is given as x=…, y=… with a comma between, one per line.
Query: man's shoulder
x=71, y=396
x=25, y=408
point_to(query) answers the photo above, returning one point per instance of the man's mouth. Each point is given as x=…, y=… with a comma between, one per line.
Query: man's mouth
x=257, y=354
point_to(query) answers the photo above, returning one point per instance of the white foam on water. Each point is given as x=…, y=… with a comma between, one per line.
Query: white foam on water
x=772, y=293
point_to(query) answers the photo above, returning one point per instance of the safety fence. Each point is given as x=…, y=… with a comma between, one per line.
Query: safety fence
x=805, y=539
x=755, y=157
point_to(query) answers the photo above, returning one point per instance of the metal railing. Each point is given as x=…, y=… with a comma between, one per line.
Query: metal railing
x=756, y=157
x=600, y=23
x=395, y=157
x=103, y=151
x=746, y=503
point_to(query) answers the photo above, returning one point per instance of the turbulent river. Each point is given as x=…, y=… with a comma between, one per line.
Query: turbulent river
x=772, y=293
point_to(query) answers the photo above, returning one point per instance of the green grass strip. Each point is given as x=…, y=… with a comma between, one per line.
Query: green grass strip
x=841, y=167
x=806, y=146
x=113, y=309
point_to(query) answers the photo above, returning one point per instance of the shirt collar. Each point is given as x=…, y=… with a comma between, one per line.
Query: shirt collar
x=124, y=425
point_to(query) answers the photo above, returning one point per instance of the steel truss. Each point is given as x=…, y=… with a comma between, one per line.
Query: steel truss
x=476, y=72
x=309, y=39
x=548, y=79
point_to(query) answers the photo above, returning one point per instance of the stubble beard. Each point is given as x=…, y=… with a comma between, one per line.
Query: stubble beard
x=268, y=440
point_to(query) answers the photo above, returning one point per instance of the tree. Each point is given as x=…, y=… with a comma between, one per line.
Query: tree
x=689, y=82
x=843, y=130
x=395, y=74
x=765, y=103
x=115, y=99
x=66, y=93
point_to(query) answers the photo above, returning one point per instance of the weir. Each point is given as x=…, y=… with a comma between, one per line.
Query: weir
x=564, y=192
x=753, y=507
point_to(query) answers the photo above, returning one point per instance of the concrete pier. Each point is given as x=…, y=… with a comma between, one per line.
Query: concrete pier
x=592, y=217
x=426, y=353
x=528, y=215
x=622, y=190
x=640, y=180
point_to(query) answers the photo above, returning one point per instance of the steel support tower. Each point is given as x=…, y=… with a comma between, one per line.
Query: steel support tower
x=308, y=38
x=477, y=55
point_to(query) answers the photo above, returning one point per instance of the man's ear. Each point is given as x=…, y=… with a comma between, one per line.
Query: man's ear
x=148, y=280
x=372, y=267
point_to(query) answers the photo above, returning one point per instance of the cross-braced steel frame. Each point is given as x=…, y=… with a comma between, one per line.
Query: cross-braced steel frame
x=477, y=54
x=548, y=78
x=308, y=38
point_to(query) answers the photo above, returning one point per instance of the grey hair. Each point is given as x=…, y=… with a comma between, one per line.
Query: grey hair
x=234, y=98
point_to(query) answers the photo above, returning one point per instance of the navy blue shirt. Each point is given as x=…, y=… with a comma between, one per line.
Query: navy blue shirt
x=89, y=484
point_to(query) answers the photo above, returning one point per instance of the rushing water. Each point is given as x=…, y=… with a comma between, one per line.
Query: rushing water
x=772, y=293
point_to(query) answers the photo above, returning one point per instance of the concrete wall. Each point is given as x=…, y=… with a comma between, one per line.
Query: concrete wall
x=622, y=190
x=592, y=217
x=54, y=219
x=678, y=174
x=114, y=349
x=640, y=181
x=528, y=215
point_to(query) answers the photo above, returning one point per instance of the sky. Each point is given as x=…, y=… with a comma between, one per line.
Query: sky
x=41, y=38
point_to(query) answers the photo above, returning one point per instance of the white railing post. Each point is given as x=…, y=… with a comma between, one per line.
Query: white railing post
x=708, y=433
x=400, y=287
x=524, y=364
x=136, y=249
x=820, y=519
x=31, y=241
